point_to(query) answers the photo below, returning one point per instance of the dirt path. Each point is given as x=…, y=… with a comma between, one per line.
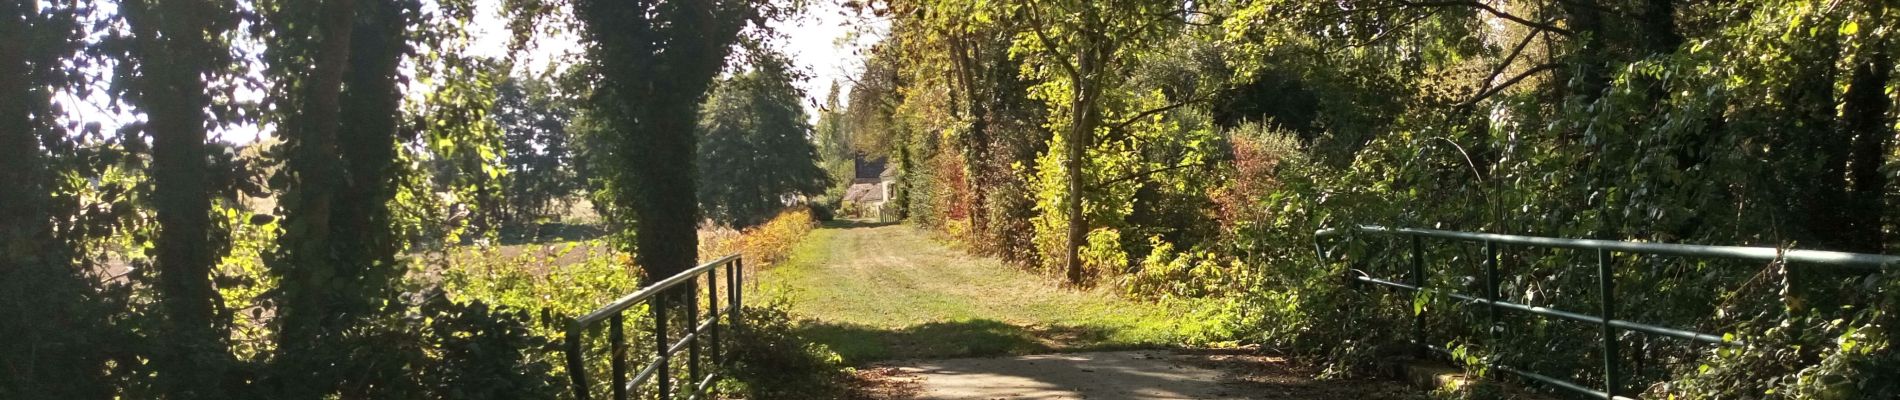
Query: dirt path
x=1120, y=375
x=930, y=322
x=884, y=292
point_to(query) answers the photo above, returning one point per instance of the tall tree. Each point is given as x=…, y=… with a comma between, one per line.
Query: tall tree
x=834, y=145
x=176, y=46
x=654, y=60
x=337, y=256
x=533, y=120
x=1089, y=45
x=755, y=148
x=53, y=347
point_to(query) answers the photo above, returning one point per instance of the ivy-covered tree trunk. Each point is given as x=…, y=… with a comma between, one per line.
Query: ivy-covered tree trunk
x=338, y=259
x=308, y=318
x=50, y=347
x=1820, y=150
x=1865, y=120
x=1591, y=57
x=656, y=58
x=365, y=243
x=366, y=142
x=175, y=44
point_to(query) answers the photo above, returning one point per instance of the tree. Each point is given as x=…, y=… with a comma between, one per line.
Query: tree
x=755, y=150
x=175, y=47
x=1084, y=48
x=335, y=65
x=653, y=61
x=57, y=330
x=834, y=146
x=534, y=122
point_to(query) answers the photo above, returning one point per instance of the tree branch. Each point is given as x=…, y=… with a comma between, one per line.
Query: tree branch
x=1507, y=84
x=1515, y=51
x=1102, y=184
x=1386, y=34
x=1145, y=114
x=1489, y=9
x=1050, y=46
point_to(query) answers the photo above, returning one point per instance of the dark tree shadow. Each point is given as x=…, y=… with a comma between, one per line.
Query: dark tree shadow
x=860, y=344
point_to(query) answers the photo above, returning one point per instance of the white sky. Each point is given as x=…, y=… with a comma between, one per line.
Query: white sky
x=826, y=41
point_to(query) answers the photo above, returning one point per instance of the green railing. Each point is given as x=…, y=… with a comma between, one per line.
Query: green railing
x=1604, y=249
x=661, y=296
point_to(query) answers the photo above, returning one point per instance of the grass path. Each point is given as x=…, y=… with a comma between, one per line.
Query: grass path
x=880, y=292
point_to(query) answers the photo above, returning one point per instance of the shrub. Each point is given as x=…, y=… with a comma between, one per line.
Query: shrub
x=769, y=360
x=762, y=245
x=1103, y=254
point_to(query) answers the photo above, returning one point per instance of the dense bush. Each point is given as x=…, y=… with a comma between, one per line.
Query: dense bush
x=769, y=360
x=765, y=244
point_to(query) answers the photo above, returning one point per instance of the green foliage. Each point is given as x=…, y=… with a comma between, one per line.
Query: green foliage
x=771, y=360
x=49, y=214
x=484, y=353
x=1212, y=141
x=755, y=151
x=650, y=64
x=540, y=176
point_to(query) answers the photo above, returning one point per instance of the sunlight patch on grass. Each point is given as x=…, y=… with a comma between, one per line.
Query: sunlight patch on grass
x=890, y=292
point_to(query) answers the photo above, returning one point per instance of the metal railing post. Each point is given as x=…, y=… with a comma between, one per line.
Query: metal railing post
x=1418, y=280
x=618, y=360
x=1491, y=295
x=576, y=368
x=712, y=301
x=1607, y=287
x=660, y=345
x=692, y=333
x=738, y=289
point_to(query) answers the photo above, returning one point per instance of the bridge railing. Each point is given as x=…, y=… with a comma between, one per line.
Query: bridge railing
x=1606, y=318
x=660, y=298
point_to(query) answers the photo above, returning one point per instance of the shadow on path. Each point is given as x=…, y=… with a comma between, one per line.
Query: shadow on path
x=860, y=344
x=1130, y=375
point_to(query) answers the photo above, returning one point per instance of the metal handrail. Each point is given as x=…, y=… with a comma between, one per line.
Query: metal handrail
x=1607, y=320
x=1669, y=249
x=658, y=364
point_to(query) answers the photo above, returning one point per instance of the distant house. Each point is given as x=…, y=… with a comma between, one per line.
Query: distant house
x=870, y=186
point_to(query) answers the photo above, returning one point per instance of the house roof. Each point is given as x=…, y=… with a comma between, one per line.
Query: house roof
x=864, y=193
x=871, y=169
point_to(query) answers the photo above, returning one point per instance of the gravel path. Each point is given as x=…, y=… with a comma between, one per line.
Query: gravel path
x=1121, y=375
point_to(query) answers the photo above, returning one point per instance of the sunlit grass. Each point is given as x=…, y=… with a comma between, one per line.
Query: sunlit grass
x=891, y=292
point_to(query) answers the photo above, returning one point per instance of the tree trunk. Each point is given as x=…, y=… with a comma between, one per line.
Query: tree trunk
x=667, y=208
x=1821, y=192
x=1082, y=123
x=1864, y=119
x=309, y=313
x=172, y=51
x=1659, y=27
x=1586, y=21
x=366, y=142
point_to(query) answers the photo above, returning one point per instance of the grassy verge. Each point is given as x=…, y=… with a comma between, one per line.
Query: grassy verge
x=879, y=292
